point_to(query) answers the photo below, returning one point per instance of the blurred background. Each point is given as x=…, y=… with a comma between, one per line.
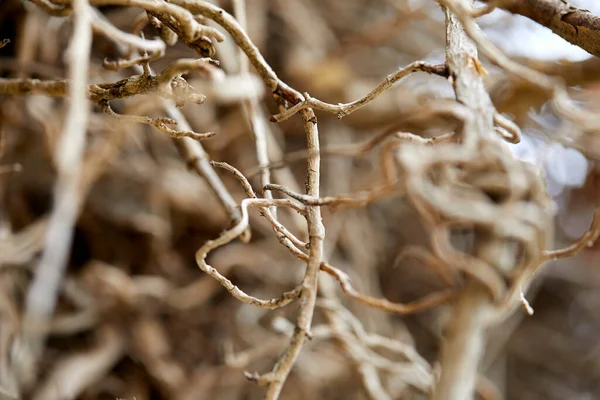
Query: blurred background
x=136, y=317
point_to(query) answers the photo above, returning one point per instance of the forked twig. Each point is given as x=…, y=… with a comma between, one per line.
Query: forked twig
x=342, y=110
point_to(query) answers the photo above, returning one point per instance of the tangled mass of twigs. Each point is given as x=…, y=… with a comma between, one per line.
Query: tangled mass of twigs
x=110, y=194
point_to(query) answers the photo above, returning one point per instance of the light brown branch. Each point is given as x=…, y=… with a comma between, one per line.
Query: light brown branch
x=358, y=200
x=384, y=304
x=342, y=110
x=577, y=26
x=231, y=234
x=197, y=159
x=160, y=123
x=316, y=235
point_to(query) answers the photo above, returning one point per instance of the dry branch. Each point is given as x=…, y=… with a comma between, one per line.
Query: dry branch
x=446, y=157
x=578, y=26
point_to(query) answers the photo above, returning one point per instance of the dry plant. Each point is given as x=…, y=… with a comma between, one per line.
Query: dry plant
x=98, y=298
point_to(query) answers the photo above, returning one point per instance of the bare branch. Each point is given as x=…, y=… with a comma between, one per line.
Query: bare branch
x=578, y=26
x=231, y=234
x=383, y=304
x=168, y=84
x=160, y=123
x=342, y=110
x=316, y=235
x=358, y=200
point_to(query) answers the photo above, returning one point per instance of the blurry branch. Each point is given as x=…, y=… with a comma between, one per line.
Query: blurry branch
x=43, y=292
x=52, y=8
x=555, y=87
x=464, y=342
x=4, y=42
x=159, y=123
x=168, y=84
x=360, y=149
x=253, y=113
x=110, y=31
x=586, y=240
x=573, y=73
x=578, y=26
x=73, y=374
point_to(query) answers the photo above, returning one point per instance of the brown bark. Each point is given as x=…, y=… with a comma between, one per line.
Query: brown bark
x=578, y=26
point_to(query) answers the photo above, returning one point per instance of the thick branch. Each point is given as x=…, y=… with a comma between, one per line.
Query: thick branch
x=579, y=27
x=465, y=341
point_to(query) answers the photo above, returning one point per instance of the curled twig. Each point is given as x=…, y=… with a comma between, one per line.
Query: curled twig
x=231, y=234
x=586, y=240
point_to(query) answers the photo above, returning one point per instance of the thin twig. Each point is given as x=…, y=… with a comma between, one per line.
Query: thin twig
x=231, y=234
x=342, y=110
x=465, y=337
x=383, y=304
x=160, y=123
x=358, y=200
x=253, y=114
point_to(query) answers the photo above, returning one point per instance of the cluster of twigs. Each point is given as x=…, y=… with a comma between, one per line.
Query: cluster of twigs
x=447, y=159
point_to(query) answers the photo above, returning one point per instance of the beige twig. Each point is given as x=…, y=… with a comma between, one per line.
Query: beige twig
x=44, y=289
x=231, y=234
x=254, y=114
x=383, y=304
x=284, y=236
x=357, y=200
x=102, y=26
x=197, y=159
x=159, y=123
x=342, y=110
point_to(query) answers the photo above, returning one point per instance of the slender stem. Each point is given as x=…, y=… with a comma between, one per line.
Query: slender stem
x=316, y=235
